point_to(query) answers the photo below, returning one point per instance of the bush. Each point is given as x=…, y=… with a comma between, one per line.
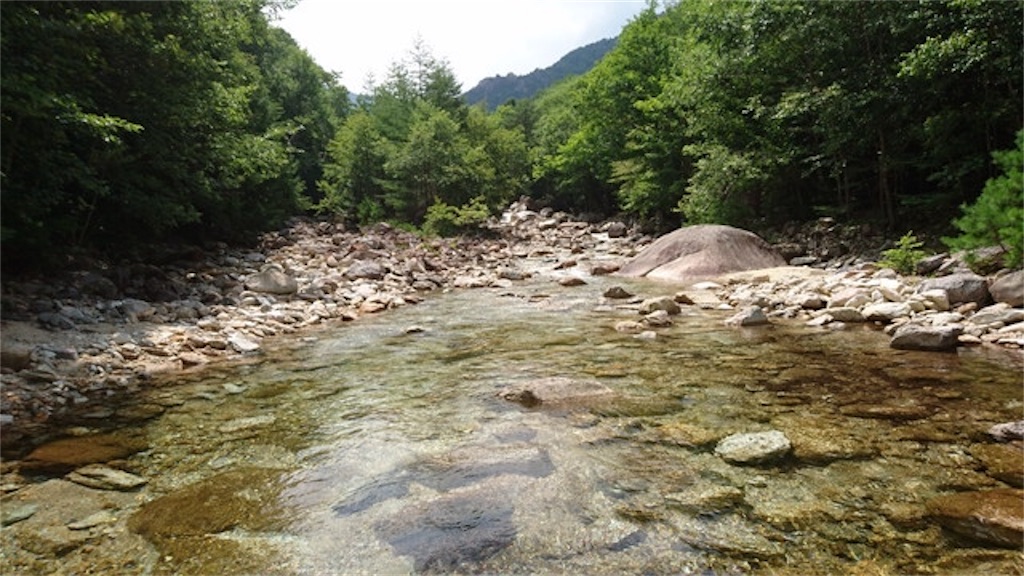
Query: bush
x=445, y=220
x=996, y=218
x=905, y=256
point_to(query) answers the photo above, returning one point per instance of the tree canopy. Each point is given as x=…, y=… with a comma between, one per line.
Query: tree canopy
x=128, y=122
x=136, y=121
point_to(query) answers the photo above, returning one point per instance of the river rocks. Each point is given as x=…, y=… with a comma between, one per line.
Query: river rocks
x=1008, y=289
x=272, y=280
x=991, y=516
x=366, y=269
x=242, y=344
x=749, y=316
x=664, y=303
x=961, y=288
x=753, y=448
x=1007, y=431
x=452, y=530
x=617, y=293
x=105, y=478
x=917, y=337
x=700, y=252
x=69, y=453
x=555, y=391
x=1004, y=462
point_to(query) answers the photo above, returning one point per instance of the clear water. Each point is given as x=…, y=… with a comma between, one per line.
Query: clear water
x=370, y=450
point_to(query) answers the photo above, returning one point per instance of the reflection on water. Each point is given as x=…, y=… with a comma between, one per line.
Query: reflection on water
x=373, y=450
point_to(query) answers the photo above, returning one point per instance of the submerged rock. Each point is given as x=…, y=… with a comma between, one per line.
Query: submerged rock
x=989, y=516
x=452, y=530
x=105, y=478
x=754, y=448
x=555, y=390
x=1003, y=462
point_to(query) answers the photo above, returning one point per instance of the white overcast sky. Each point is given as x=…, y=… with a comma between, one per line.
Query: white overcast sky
x=478, y=38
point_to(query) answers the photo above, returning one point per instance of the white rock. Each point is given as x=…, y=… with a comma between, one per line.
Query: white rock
x=753, y=448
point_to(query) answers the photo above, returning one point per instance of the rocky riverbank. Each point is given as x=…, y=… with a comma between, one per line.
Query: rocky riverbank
x=72, y=346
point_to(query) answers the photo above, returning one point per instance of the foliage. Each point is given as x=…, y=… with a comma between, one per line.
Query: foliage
x=445, y=220
x=905, y=256
x=415, y=152
x=126, y=122
x=803, y=104
x=996, y=218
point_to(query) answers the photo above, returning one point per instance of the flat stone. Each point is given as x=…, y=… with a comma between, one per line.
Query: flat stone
x=887, y=411
x=67, y=454
x=93, y=520
x=754, y=448
x=989, y=516
x=1004, y=462
x=14, y=512
x=105, y=478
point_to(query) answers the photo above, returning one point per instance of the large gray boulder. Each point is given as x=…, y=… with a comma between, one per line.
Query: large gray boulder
x=1009, y=289
x=961, y=288
x=272, y=280
x=700, y=252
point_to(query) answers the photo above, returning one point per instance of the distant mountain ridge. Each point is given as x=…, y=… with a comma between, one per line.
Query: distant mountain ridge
x=497, y=90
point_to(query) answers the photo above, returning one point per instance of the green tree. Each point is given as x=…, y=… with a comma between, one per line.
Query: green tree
x=996, y=218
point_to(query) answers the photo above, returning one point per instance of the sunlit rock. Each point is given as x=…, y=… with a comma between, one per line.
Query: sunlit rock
x=700, y=252
x=754, y=448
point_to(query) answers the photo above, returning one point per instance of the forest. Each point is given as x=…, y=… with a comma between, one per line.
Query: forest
x=130, y=123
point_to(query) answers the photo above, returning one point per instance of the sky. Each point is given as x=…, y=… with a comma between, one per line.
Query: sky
x=477, y=38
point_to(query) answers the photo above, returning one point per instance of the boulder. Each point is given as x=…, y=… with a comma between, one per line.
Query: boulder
x=989, y=516
x=1000, y=313
x=753, y=448
x=617, y=293
x=960, y=288
x=666, y=303
x=367, y=269
x=749, y=316
x=699, y=252
x=1009, y=289
x=272, y=280
x=886, y=311
x=932, y=338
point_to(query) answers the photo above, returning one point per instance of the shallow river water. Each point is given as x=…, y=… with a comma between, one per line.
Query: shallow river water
x=380, y=447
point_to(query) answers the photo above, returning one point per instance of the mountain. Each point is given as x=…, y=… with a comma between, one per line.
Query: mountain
x=497, y=90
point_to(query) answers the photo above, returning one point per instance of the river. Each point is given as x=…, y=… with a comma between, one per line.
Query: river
x=381, y=447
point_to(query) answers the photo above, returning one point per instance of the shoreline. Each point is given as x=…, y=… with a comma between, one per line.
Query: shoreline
x=72, y=350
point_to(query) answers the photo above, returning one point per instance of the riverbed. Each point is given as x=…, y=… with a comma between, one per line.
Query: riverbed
x=382, y=447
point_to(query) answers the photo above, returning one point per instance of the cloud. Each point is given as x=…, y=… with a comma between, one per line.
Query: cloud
x=478, y=38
